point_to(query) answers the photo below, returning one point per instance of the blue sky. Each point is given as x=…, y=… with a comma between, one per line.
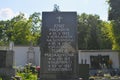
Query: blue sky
x=11, y=8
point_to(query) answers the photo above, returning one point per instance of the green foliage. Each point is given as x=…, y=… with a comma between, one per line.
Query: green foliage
x=116, y=35
x=3, y=29
x=114, y=16
x=114, y=9
x=90, y=33
x=20, y=30
x=35, y=22
x=27, y=76
x=106, y=35
x=29, y=72
x=93, y=33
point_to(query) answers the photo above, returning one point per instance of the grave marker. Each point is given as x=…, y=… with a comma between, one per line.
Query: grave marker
x=59, y=46
x=6, y=64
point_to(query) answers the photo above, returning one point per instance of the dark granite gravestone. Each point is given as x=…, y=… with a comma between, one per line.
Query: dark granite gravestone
x=59, y=46
x=6, y=64
x=83, y=71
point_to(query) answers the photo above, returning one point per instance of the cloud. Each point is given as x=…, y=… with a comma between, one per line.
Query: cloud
x=6, y=13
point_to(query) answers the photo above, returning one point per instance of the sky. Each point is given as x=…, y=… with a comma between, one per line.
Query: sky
x=11, y=8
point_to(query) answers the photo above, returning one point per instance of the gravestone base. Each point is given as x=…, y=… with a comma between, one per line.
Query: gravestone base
x=57, y=77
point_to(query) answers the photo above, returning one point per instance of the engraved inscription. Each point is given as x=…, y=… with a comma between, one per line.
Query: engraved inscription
x=60, y=52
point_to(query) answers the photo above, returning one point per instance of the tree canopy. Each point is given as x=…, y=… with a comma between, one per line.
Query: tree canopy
x=20, y=30
x=114, y=9
x=93, y=33
x=114, y=17
x=90, y=32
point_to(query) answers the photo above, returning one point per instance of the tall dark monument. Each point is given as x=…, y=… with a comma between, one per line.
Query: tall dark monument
x=59, y=46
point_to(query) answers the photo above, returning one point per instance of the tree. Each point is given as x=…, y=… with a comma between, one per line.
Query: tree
x=3, y=28
x=90, y=33
x=106, y=35
x=35, y=21
x=114, y=17
x=115, y=35
x=114, y=9
x=19, y=30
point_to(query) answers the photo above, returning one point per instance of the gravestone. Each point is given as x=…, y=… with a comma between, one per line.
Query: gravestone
x=31, y=55
x=83, y=71
x=6, y=64
x=59, y=46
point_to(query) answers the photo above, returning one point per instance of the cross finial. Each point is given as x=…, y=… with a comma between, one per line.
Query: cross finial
x=56, y=7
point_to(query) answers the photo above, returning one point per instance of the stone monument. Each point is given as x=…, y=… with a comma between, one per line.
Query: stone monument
x=59, y=46
x=6, y=64
x=31, y=55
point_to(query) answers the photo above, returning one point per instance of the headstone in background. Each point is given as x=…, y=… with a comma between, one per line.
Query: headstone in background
x=83, y=71
x=6, y=59
x=31, y=55
x=6, y=64
x=59, y=46
x=11, y=45
x=2, y=59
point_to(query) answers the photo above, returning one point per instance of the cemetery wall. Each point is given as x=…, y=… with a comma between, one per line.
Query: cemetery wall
x=113, y=55
x=21, y=55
